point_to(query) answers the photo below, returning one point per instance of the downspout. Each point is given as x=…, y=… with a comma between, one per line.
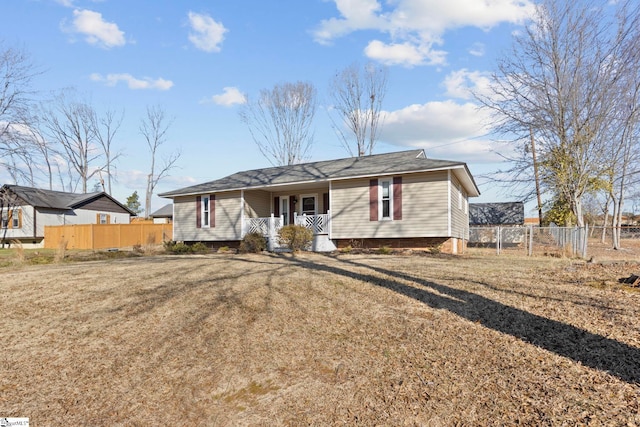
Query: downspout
x=242, y=230
x=35, y=224
x=330, y=211
x=449, y=203
x=173, y=222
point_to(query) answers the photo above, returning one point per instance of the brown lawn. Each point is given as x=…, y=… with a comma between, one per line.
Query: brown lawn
x=320, y=340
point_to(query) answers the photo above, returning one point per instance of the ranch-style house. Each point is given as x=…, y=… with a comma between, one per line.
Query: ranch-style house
x=400, y=200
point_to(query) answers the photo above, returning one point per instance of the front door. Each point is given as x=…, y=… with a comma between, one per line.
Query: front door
x=284, y=209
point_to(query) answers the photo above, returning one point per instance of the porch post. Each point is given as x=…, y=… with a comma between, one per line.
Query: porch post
x=272, y=234
x=329, y=223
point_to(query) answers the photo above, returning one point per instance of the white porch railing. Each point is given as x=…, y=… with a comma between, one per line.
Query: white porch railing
x=269, y=226
x=319, y=224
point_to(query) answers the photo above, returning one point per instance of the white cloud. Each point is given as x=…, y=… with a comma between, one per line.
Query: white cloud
x=477, y=49
x=406, y=54
x=65, y=3
x=132, y=82
x=463, y=83
x=445, y=130
x=230, y=96
x=96, y=30
x=206, y=34
x=415, y=26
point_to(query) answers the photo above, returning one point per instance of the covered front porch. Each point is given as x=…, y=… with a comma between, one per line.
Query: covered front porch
x=319, y=224
x=267, y=210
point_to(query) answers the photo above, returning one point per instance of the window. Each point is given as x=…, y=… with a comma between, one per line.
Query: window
x=385, y=199
x=308, y=205
x=103, y=219
x=5, y=219
x=15, y=219
x=205, y=211
x=459, y=198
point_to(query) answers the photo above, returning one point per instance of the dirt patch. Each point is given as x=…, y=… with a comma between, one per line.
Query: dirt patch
x=347, y=339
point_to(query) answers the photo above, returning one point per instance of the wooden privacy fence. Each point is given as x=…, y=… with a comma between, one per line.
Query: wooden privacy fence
x=105, y=236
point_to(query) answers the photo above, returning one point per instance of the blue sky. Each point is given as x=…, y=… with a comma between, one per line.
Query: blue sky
x=197, y=60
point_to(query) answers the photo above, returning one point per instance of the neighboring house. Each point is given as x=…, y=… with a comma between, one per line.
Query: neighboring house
x=493, y=214
x=26, y=211
x=164, y=215
x=401, y=199
x=490, y=220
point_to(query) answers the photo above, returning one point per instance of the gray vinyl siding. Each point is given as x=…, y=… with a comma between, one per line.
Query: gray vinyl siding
x=76, y=216
x=425, y=198
x=257, y=204
x=228, y=219
x=459, y=219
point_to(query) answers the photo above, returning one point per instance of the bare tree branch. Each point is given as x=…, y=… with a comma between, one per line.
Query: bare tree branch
x=357, y=95
x=280, y=121
x=154, y=128
x=561, y=79
x=71, y=123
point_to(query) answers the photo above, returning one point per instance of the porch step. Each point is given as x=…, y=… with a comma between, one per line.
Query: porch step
x=322, y=243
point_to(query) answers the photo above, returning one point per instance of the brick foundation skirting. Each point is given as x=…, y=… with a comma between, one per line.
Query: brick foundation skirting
x=231, y=244
x=447, y=245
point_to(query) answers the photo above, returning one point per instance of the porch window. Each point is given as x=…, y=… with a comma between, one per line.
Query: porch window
x=5, y=219
x=205, y=211
x=15, y=219
x=308, y=205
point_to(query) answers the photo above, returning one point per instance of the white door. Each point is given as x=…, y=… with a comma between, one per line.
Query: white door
x=284, y=209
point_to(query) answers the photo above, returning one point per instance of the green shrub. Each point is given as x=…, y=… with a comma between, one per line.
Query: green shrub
x=295, y=237
x=199, y=248
x=253, y=243
x=385, y=250
x=435, y=250
x=346, y=249
x=223, y=249
x=176, y=247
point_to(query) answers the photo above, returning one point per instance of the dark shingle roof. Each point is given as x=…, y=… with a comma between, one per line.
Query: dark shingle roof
x=509, y=213
x=164, y=212
x=352, y=167
x=56, y=199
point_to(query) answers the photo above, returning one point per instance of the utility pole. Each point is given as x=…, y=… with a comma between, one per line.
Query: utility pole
x=535, y=173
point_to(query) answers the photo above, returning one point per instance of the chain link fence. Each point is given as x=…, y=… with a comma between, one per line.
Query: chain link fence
x=582, y=242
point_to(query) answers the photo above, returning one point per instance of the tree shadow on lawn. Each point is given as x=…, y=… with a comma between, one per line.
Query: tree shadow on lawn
x=593, y=350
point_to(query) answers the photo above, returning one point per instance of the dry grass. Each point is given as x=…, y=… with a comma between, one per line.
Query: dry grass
x=318, y=340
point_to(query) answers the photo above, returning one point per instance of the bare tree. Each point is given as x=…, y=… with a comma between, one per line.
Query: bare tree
x=71, y=124
x=16, y=75
x=8, y=201
x=106, y=128
x=560, y=79
x=624, y=170
x=280, y=121
x=357, y=94
x=154, y=128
